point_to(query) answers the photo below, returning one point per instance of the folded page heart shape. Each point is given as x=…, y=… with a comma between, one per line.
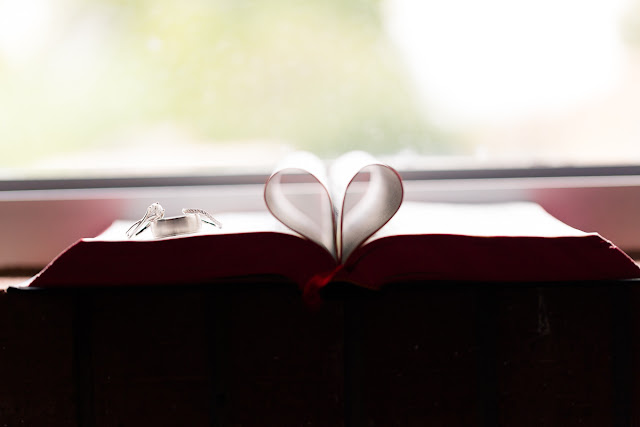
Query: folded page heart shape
x=338, y=210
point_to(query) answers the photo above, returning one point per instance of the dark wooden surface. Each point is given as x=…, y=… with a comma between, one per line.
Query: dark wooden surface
x=254, y=355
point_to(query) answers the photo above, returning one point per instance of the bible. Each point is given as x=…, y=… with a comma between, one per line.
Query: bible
x=353, y=226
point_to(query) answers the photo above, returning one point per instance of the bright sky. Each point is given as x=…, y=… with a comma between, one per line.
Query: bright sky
x=498, y=60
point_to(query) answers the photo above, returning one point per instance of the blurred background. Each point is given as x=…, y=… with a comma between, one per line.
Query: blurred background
x=124, y=88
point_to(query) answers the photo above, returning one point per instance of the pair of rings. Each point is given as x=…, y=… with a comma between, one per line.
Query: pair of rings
x=190, y=222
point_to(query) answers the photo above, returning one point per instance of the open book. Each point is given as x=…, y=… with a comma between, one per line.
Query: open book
x=352, y=227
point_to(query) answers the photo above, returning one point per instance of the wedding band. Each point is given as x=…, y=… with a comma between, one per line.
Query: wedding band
x=191, y=222
x=175, y=226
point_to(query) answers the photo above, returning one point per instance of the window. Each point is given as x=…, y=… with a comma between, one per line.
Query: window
x=195, y=101
x=154, y=88
x=535, y=82
x=104, y=88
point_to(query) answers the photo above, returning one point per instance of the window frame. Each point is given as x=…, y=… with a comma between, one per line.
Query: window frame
x=39, y=218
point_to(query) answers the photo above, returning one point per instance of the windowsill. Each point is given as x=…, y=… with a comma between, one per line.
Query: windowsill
x=39, y=224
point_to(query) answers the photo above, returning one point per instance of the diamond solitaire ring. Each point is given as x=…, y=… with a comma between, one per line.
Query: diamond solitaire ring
x=154, y=213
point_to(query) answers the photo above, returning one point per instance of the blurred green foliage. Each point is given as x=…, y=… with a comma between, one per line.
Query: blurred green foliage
x=320, y=75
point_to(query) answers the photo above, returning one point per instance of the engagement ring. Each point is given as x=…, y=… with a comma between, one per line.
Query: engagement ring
x=153, y=214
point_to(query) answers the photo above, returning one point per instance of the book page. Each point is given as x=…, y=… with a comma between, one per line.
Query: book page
x=369, y=194
x=297, y=195
x=502, y=242
x=493, y=219
x=248, y=245
x=232, y=223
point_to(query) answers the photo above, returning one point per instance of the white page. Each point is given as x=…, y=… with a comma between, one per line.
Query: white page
x=357, y=198
x=492, y=219
x=369, y=194
x=309, y=212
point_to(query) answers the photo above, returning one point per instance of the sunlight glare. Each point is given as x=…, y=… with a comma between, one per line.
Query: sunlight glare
x=500, y=60
x=24, y=27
